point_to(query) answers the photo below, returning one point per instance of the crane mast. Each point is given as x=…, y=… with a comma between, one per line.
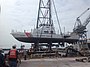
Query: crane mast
x=44, y=13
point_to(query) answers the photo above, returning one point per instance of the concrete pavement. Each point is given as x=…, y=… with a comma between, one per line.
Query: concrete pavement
x=56, y=62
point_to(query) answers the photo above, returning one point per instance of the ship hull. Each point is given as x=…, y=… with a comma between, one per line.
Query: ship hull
x=45, y=40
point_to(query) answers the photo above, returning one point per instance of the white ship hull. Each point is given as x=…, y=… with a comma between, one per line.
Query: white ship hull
x=44, y=38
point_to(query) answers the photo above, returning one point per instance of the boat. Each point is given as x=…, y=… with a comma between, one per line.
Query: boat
x=44, y=31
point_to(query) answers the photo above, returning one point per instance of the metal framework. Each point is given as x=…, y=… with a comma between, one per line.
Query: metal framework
x=45, y=18
x=80, y=29
x=44, y=13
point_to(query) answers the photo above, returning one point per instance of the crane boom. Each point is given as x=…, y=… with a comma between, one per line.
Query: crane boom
x=81, y=27
x=86, y=21
x=83, y=12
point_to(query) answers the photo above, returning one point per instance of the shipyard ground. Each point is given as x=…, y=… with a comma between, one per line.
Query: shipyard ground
x=54, y=62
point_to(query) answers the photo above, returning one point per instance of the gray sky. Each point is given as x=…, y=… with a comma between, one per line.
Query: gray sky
x=22, y=15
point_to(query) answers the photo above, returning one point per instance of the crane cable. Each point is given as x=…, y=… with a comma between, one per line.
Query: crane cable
x=57, y=17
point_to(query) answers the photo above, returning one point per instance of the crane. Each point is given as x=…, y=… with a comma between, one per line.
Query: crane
x=80, y=28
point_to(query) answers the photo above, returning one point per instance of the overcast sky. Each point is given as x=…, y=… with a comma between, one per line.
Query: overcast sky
x=22, y=15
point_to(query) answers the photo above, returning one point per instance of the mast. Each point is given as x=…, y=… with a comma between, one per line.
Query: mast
x=44, y=13
x=49, y=11
x=38, y=14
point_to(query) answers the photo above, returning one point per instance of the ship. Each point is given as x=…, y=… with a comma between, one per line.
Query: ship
x=43, y=35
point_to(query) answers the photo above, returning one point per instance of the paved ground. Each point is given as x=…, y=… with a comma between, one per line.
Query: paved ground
x=56, y=62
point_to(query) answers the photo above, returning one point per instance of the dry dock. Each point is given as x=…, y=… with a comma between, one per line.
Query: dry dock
x=55, y=62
